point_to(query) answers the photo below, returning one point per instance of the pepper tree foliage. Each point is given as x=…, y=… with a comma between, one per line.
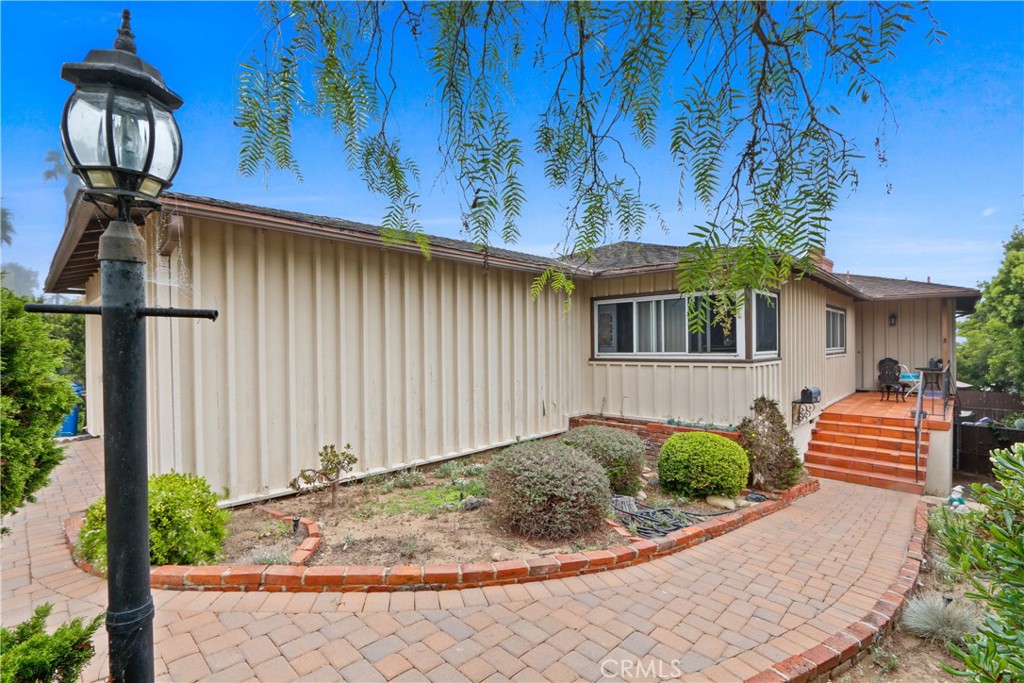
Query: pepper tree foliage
x=742, y=89
x=991, y=354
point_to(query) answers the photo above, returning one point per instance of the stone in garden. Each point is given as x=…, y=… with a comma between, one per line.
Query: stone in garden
x=721, y=502
x=740, y=503
x=496, y=556
x=474, y=503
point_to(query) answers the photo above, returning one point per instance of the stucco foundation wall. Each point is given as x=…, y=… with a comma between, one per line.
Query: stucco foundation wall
x=322, y=341
x=939, y=479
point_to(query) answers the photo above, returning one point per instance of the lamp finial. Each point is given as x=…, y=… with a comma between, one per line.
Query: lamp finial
x=125, y=38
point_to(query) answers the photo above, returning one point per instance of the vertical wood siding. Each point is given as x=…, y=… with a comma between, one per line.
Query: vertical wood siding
x=804, y=360
x=321, y=341
x=923, y=330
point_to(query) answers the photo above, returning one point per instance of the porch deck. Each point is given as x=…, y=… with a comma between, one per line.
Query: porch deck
x=869, y=404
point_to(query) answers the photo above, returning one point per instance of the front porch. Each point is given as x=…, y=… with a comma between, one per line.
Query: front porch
x=865, y=440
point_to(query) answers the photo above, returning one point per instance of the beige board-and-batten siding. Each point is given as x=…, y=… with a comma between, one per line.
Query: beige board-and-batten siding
x=323, y=341
x=924, y=329
x=720, y=392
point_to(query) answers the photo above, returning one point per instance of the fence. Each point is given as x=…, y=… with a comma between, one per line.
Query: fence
x=991, y=404
x=975, y=443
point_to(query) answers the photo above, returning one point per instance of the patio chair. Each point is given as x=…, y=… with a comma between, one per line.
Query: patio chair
x=911, y=381
x=889, y=379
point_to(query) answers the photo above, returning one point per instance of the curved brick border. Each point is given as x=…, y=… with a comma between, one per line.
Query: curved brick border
x=280, y=578
x=841, y=651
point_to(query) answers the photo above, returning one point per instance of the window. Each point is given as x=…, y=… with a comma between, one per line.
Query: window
x=657, y=325
x=835, y=330
x=766, y=324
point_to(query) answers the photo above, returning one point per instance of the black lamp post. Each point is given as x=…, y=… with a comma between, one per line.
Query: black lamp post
x=120, y=137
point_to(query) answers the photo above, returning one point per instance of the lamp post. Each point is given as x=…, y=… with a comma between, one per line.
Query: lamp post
x=120, y=137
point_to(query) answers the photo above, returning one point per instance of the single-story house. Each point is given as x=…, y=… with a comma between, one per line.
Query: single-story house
x=327, y=334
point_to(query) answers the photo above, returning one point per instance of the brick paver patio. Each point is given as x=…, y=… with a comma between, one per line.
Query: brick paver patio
x=722, y=611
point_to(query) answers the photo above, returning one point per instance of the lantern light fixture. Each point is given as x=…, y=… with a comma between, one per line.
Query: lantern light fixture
x=892, y=319
x=118, y=130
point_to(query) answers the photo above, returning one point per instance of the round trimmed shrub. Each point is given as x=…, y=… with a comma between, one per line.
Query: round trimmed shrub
x=185, y=524
x=699, y=464
x=620, y=453
x=545, y=489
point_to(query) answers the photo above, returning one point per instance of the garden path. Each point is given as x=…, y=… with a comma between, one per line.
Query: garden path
x=721, y=611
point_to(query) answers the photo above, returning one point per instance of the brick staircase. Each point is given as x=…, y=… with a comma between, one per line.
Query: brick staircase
x=868, y=450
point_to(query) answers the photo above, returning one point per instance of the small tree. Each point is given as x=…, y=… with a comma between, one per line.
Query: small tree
x=34, y=401
x=334, y=469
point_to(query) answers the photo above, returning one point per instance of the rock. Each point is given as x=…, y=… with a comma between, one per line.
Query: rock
x=654, y=482
x=756, y=497
x=474, y=503
x=721, y=502
x=740, y=503
x=641, y=495
x=496, y=556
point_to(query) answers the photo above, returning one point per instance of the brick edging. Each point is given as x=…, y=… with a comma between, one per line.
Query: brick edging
x=842, y=650
x=281, y=578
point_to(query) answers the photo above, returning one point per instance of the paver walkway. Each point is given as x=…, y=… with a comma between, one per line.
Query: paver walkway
x=721, y=611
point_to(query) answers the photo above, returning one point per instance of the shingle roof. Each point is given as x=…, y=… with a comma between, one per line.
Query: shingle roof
x=626, y=256
x=342, y=224
x=892, y=288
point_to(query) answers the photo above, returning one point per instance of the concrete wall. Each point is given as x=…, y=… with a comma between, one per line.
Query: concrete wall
x=939, y=479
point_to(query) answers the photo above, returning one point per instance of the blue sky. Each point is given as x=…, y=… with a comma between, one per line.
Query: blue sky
x=956, y=153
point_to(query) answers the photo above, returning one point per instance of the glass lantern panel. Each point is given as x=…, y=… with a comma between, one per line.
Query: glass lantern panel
x=131, y=132
x=166, y=145
x=87, y=128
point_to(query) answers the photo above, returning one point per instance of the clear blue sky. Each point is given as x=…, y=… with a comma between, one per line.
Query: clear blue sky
x=956, y=160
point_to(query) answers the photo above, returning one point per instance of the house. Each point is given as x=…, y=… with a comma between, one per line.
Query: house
x=327, y=334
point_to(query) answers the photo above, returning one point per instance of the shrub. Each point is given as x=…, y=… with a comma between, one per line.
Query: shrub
x=334, y=468
x=990, y=548
x=29, y=653
x=33, y=401
x=545, y=489
x=409, y=479
x=774, y=460
x=185, y=524
x=928, y=616
x=622, y=454
x=698, y=464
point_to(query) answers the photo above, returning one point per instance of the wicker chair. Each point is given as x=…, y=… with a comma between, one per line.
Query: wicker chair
x=889, y=379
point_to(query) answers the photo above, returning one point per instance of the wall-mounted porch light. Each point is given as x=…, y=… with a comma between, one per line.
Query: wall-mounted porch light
x=892, y=320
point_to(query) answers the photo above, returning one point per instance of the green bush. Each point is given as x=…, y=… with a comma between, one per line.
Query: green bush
x=622, y=454
x=989, y=545
x=34, y=400
x=774, y=461
x=545, y=489
x=185, y=524
x=29, y=653
x=698, y=464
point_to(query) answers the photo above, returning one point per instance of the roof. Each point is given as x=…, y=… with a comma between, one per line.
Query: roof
x=75, y=260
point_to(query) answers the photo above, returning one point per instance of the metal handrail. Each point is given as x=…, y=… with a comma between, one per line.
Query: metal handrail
x=918, y=421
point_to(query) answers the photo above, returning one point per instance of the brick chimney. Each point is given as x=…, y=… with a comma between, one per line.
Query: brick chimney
x=822, y=262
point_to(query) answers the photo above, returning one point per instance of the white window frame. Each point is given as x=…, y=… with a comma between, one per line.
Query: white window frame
x=753, y=326
x=835, y=310
x=739, y=332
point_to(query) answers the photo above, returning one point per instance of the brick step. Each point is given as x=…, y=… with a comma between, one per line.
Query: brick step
x=866, y=452
x=884, y=421
x=831, y=425
x=873, y=442
x=871, y=465
x=877, y=480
